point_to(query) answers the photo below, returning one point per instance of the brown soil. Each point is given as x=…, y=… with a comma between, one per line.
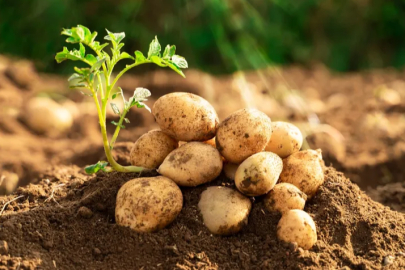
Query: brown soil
x=65, y=219
x=75, y=229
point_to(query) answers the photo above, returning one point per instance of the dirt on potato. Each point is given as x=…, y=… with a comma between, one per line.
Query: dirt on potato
x=64, y=219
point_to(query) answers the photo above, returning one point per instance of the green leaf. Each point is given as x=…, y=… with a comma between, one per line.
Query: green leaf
x=140, y=94
x=179, y=61
x=79, y=34
x=125, y=55
x=75, y=55
x=82, y=50
x=117, y=37
x=116, y=124
x=74, y=77
x=154, y=48
x=115, y=108
x=114, y=96
x=158, y=61
x=91, y=59
x=80, y=85
x=96, y=167
x=83, y=71
x=169, y=51
x=127, y=120
x=68, y=55
x=140, y=58
x=98, y=64
x=175, y=68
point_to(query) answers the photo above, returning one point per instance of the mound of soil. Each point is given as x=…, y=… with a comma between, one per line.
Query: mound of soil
x=67, y=222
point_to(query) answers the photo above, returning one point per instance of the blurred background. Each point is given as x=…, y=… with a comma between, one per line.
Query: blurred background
x=219, y=36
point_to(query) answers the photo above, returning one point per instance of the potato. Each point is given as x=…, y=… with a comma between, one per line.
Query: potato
x=230, y=170
x=148, y=204
x=285, y=139
x=304, y=170
x=44, y=115
x=297, y=226
x=151, y=149
x=242, y=134
x=258, y=174
x=224, y=210
x=8, y=182
x=192, y=164
x=284, y=197
x=185, y=117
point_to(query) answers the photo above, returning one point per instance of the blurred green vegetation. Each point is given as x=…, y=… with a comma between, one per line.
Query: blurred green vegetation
x=219, y=36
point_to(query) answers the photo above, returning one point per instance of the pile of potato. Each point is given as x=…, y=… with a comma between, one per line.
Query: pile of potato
x=262, y=157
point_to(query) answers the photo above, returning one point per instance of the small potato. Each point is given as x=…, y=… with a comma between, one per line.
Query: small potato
x=297, y=226
x=44, y=115
x=186, y=117
x=148, y=204
x=258, y=174
x=284, y=197
x=192, y=164
x=285, y=139
x=304, y=170
x=230, y=170
x=151, y=149
x=242, y=134
x=224, y=210
x=8, y=183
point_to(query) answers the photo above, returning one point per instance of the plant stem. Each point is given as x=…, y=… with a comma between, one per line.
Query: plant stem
x=117, y=129
x=110, y=158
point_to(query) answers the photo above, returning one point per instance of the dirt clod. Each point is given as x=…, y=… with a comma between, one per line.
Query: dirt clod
x=85, y=212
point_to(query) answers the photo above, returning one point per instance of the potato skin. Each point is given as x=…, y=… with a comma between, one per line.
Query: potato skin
x=45, y=116
x=297, y=226
x=225, y=211
x=242, y=134
x=304, y=170
x=186, y=117
x=285, y=139
x=192, y=164
x=151, y=149
x=148, y=204
x=284, y=197
x=258, y=174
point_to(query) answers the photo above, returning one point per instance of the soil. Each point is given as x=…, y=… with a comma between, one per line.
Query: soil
x=67, y=222
x=63, y=219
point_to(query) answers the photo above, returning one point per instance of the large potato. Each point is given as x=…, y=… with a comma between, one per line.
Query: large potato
x=258, y=174
x=224, y=210
x=148, y=204
x=151, y=149
x=285, y=139
x=242, y=134
x=284, y=197
x=44, y=115
x=304, y=170
x=186, y=117
x=192, y=164
x=297, y=226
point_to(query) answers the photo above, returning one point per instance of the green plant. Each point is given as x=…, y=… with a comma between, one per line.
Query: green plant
x=102, y=65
